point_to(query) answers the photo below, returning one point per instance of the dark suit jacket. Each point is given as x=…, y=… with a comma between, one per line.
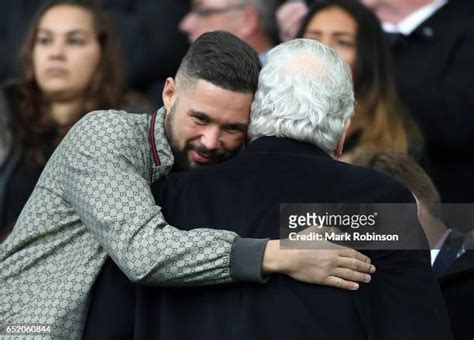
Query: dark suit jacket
x=244, y=194
x=457, y=285
x=434, y=68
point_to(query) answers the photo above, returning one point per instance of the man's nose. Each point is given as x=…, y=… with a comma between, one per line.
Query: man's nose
x=211, y=138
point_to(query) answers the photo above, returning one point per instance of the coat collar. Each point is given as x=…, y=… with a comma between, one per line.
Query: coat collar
x=284, y=146
x=162, y=157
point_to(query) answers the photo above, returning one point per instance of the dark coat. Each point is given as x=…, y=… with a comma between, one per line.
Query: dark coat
x=457, y=286
x=403, y=300
x=244, y=195
x=435, y=68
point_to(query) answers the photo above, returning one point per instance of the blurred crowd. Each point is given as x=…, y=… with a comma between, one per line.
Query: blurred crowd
x=411, y=63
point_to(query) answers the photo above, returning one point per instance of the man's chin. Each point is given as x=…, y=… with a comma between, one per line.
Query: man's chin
x=195, y=164
x=186, y=161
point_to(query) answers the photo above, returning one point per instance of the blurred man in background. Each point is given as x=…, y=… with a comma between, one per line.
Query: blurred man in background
x=253, y=21
x=433, y=48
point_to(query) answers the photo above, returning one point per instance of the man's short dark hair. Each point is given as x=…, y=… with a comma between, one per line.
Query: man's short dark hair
x=222, y=59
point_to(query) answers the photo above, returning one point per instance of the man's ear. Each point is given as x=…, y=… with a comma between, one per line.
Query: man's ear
x=169, y=93
x=340, y=144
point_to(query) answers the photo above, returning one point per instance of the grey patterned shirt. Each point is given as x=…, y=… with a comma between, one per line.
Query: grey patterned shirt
x=93, y=199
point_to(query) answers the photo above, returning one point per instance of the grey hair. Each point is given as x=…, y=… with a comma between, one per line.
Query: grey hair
x=305, y=93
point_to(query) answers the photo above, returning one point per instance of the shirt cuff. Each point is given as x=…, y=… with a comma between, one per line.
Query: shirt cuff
x=246, y=259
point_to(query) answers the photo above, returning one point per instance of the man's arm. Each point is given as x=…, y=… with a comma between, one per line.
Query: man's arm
x=104, y=180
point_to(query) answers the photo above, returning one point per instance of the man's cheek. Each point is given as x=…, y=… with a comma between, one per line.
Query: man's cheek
x=237, y=143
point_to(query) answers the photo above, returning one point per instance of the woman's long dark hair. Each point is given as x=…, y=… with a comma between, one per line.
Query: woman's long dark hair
x=380, y=116
x=34, y=128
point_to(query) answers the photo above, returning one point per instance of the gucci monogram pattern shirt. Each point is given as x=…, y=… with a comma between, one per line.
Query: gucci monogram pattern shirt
x=92, y=200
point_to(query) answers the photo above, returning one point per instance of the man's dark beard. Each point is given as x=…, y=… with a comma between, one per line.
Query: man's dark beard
x=181, y=160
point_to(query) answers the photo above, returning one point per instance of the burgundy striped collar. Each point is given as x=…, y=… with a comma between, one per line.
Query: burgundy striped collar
x=151, y=136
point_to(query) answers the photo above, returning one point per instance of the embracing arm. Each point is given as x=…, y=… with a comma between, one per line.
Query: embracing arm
x=104, y=180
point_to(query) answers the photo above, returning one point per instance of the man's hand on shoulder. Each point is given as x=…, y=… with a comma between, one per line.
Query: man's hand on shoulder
x=329, y=264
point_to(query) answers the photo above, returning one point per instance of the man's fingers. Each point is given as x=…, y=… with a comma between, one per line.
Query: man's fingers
x=351, y=275
x=356, y=265
x=354, y=254
x=337, y=282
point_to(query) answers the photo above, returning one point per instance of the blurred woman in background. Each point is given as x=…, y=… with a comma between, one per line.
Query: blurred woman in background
x=70, y=64
x=355, y=33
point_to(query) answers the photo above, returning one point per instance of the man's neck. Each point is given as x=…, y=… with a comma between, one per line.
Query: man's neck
x=394, y=12
x=433, y=227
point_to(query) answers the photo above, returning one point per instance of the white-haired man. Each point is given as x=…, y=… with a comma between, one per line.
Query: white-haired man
x=299, y=117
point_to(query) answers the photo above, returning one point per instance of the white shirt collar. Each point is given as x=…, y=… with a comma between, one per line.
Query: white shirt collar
x=439, y=245
x=415, y=19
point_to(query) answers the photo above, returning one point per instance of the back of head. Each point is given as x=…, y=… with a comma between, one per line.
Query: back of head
x=305, y=93
x=222, y=59
x=404, y=169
